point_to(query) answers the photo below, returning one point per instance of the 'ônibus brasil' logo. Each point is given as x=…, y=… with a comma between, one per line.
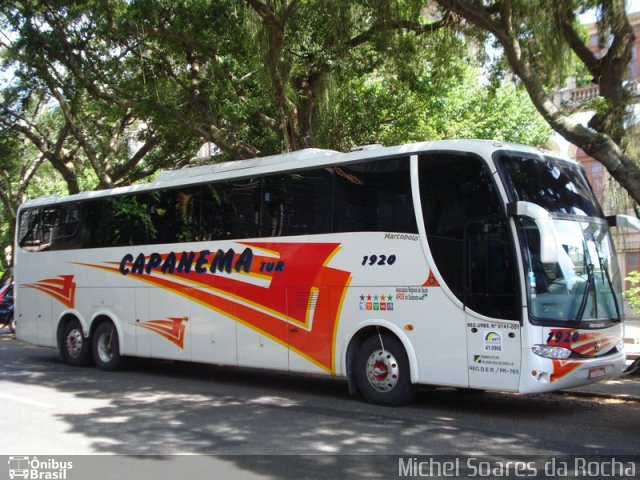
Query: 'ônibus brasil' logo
x=27, y=467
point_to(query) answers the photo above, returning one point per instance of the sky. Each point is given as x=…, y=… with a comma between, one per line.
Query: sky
x=590, y=17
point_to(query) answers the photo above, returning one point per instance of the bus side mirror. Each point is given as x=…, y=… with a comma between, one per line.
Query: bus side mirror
x=624, y=221
x=546, y=227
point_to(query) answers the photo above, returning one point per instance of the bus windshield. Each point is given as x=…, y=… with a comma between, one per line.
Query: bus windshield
x=585, y=282
x=583, y=286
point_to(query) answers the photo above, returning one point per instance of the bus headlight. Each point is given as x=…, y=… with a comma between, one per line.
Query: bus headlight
x=548, y=351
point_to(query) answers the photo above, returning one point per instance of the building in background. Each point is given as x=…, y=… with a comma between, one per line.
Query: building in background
x=609, y=193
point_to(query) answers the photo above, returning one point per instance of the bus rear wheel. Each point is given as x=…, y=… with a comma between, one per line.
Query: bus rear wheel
x=106, y=347
x=75, y=347
x=382, y=371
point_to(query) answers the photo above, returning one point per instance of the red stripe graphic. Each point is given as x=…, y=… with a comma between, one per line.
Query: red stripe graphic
x=562, y=368
x=62, y=288
x=172, y=329
x=588, y=344
x=297, y=305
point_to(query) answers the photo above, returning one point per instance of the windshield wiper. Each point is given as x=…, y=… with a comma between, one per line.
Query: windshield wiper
x=605, y=273
x=585, y=296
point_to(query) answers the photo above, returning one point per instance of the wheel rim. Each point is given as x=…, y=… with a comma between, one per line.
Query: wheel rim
x=105, y=346
x=382, y=370
x=74, y=342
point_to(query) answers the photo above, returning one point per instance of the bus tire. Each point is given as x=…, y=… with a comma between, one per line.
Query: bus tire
x=382, y=371
x=12, y=324
x=75, y=348
x=106, y=347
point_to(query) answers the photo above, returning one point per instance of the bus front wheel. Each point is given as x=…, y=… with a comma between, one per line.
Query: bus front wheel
x=106, y=347
x=382, y=371
x=75, y=347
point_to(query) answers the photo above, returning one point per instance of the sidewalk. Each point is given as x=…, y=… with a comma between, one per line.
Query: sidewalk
x=626, y=387
x=632, y=339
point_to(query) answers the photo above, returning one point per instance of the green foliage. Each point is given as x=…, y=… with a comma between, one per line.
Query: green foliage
x=542, y=43
x=633, y=293
x=538, y=28
x=390, y=109
x=185, y=72
x=127, y=212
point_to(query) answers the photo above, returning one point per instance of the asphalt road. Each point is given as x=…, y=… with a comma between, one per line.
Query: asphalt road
x=163, y=408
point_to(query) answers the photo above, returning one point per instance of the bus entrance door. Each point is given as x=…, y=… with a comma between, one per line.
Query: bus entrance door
x=491, y=305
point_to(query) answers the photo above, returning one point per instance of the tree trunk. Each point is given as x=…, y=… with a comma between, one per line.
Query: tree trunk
x=601, y=139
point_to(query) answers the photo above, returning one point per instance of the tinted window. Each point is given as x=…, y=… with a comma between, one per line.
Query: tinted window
x=371, y=196
x=374, y=196
x=312, y=203
x=557, y=186
x=50, y=228
x=467, y=234
x=30, y=228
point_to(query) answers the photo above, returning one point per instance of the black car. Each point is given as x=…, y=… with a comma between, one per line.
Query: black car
x=6, y=307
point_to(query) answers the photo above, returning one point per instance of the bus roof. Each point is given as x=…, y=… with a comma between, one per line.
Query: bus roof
x=298, y=160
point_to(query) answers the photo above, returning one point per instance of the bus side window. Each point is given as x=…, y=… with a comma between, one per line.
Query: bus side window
x=51, y=227
x=217, y=215
x=62, y=225
x=39, y=228
x=30, y=229
x=244, y=202
x=275, y=206
x=127, y=221
x=311, y=208
x=176, y=215
x=374, y=196
x=91, y=219
x=467, y=234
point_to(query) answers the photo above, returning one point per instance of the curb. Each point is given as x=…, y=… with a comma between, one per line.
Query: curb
x=607, y=396
x=583, y=392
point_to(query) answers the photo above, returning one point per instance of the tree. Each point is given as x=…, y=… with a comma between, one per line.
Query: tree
x=633, y=293
x=17, y=167
x=248, y=76
x=540, y=39
x=393, y=109
x=62, y=109
x=252, y=76
x=106, y=92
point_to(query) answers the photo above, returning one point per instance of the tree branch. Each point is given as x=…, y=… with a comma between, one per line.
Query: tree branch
x=279, y=73
x=123, y=170
x=567, y=20
x=415, y=27
x=597, y=144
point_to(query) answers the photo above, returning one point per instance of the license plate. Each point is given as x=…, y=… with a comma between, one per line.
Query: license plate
x=596, y=372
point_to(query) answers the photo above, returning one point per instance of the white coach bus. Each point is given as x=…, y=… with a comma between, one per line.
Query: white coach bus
x=472, y=264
